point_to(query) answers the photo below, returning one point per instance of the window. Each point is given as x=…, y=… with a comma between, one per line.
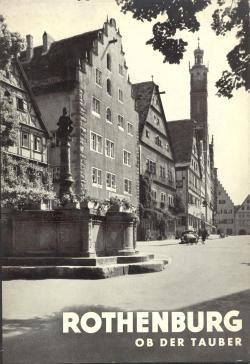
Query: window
x=170, y=176
x=162, y=172
x=170, y=200
x=55, y=174
x=163, y=197
x=110, y=149
x=130, y=129
x=108, y=62
x=95, y=142
x=20, y=104
x=109, y=91
x=121, y=70
x=156, y=120
x=147, y=133
x=155, y=100
x=127, y=158
x=120, y=95
x=37, y=144
x=121, y=122
x=110, y=181
x=127, y=186
x=108, y=115
x=153, y=194
x=96, y=106
x=222, y=201
x=96, y=177
x=158, y=141
x=98, y=77
x=151, y=166
x=167, y=147
x=25, y=140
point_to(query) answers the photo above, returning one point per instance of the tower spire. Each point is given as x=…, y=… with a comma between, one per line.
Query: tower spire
x=198, y=54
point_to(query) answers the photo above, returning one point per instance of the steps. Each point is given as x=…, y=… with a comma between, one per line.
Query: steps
x=79, y=267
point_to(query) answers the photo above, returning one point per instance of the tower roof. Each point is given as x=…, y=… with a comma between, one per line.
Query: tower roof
x=198, y=54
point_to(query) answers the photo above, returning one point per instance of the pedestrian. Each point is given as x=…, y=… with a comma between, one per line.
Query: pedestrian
x=199, y=234
x=204, y=235
x=148, y=234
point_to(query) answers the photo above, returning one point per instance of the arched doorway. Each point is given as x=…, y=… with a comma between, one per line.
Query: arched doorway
x=242, y=232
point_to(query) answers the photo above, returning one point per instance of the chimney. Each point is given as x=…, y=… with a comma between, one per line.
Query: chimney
x=47, y=41
x=29, y=47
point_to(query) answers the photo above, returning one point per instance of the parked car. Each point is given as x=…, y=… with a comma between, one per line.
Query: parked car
x=189, y=237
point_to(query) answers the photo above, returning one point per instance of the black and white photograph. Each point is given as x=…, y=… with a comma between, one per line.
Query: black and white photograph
x=125, y=181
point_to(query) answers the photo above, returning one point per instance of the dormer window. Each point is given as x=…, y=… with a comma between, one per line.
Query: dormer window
x=108, y=62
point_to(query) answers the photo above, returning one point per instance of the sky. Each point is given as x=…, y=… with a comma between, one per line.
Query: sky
x=229, y=120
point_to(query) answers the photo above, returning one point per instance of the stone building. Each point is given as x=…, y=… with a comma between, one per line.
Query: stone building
x=157, y=173
x=199, y=113
x=25, y=162
x=189, y=167
x=224, y=218
x=88, y=75
x=242, y=218
x=194, y=155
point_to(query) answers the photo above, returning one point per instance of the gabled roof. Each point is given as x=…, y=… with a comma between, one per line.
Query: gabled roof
x=60, y=60
x=32, y=98
x=247, y=198
x=142, y=92
x=181, y=135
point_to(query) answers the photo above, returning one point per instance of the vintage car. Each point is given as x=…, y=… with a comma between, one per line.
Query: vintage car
x=189, y=237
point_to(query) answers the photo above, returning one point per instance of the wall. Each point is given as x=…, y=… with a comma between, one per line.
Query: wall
x=66, y=232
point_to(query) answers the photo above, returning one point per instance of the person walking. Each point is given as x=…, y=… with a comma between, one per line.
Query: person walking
x=148, y=234
x=204, y=235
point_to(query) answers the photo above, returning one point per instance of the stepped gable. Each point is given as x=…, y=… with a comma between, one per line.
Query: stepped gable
x=225, y=191
x=142, y=92
x=181, y=136
x=60, y=60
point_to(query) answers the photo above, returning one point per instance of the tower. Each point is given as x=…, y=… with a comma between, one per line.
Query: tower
x=198, y=95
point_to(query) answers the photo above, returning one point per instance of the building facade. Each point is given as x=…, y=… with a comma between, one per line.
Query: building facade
x=157, y=173
x=88, y=75
x=189, y=166
x=199, y=113
x=242, y=218
x=224, y=218
x=25, y=161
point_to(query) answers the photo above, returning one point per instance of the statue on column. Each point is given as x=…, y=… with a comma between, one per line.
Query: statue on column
x=63, y=133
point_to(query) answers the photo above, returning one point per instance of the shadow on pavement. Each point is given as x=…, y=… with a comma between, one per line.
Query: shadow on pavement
x=40, y=340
